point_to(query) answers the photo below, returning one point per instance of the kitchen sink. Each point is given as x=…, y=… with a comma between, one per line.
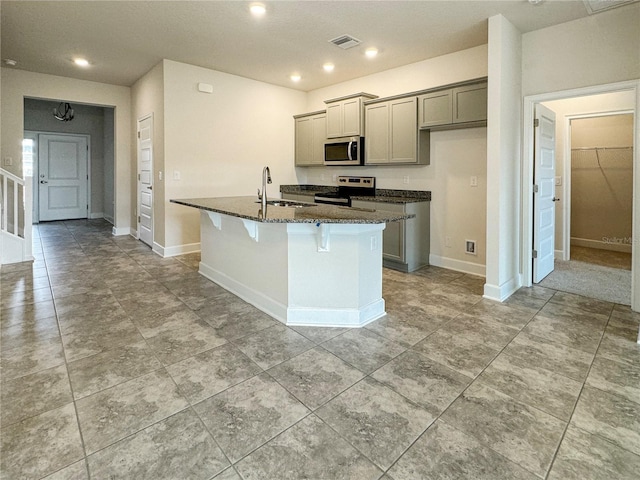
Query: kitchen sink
x=288, y=203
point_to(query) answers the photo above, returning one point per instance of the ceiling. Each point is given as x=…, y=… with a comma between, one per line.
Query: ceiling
x=124, y=39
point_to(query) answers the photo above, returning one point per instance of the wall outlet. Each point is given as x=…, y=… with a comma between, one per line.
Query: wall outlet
x=160, y=175
x=470, y=247
x=176, y=175
x=447, y=242
x=8, y=161
x=322, y=176
x=405, y=179
x=335, y=177
x=474, y=181
x=374, y=244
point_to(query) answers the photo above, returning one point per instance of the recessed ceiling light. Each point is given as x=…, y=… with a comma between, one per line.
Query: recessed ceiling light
x=258, y=9
x=10, y=62
x=81, y=62
x=295, y=77
x=371, y=52
x=328, y=67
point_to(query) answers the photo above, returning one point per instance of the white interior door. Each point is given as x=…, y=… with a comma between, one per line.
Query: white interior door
x=145, y=180
x=544, y=216
x=63, y=177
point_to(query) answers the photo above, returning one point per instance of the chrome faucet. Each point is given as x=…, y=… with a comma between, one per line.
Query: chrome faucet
x=262, y=196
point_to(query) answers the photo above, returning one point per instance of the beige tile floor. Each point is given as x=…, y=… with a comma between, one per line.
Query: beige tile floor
x=117, y=363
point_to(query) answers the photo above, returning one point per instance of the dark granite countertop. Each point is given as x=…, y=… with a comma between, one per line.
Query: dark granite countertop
x=383, y=195
x=248, y=208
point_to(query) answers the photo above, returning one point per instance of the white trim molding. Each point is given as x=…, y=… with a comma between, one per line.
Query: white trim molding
x=457, y=265
x=176, y=250
x=500, y=293
x=119, y=231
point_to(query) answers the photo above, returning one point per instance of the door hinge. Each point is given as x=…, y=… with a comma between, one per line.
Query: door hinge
x=138, y=134
x=535, y=189
x=535, y=254
x=138, y=218
x=138, y=177
x=536, y=123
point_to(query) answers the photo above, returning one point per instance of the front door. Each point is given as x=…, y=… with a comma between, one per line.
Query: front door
x=544, y=212
x=145, y=180
x=63, y=177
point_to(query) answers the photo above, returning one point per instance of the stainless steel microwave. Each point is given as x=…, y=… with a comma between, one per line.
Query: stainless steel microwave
x=344, y=151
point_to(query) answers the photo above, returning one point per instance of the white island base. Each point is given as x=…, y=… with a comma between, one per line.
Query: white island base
x=326, y=275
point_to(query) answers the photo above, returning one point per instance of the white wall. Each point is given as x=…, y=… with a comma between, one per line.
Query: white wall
x=109, y=172
x=147, y=98
x=18, y=84
x=457, y=210
x=596, y=50
x=220, y=142
x=503, y=159
x=571, y=107
x=602, y=182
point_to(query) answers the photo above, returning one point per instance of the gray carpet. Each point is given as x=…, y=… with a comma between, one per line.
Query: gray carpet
x=593, y=281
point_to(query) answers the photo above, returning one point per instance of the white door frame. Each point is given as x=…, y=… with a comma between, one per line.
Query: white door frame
x=35, y=135
x=138, y=169
x=566, y=172
x=527, y=178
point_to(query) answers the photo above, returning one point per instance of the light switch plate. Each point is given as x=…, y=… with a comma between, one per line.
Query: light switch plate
x=558, y=181
x=474, y=181
x=8, y=161
x=176, y=175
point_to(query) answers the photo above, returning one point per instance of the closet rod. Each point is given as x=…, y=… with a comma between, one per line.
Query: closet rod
x=600, y=148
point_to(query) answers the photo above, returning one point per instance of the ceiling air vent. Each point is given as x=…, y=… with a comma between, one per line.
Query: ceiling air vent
x=345, y=41
x=597, y=6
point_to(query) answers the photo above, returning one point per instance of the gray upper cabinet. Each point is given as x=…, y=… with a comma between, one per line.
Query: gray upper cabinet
x=391, y=133
x=470, y=103
x=345, y=115
x=310, y=137
x=435, y=109
x=463, y=106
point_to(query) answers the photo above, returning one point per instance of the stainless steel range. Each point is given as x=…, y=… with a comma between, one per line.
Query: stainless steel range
x=348, y=187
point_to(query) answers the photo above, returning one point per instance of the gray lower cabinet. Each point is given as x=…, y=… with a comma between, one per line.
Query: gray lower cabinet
x=406, y=243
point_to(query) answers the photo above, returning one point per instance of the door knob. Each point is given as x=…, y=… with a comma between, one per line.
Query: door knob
x=43, y=181
x=554, y=199
x=150, y=187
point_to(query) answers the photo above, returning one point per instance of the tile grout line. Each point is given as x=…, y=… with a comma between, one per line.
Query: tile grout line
x=575, y=406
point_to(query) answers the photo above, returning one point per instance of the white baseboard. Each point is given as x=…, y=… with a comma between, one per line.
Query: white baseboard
x=176, y=250
x=118, y=231
x=611, y=246
x=109, y=219
x=93, y=216
x=457, y=265
x=500, y=293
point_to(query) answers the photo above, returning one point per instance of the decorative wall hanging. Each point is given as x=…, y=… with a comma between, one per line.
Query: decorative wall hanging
x=64, y=112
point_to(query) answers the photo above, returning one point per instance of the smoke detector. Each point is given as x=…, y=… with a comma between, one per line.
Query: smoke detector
x=345, y=41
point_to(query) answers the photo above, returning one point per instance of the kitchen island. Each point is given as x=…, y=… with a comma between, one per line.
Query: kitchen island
x=302, y=263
